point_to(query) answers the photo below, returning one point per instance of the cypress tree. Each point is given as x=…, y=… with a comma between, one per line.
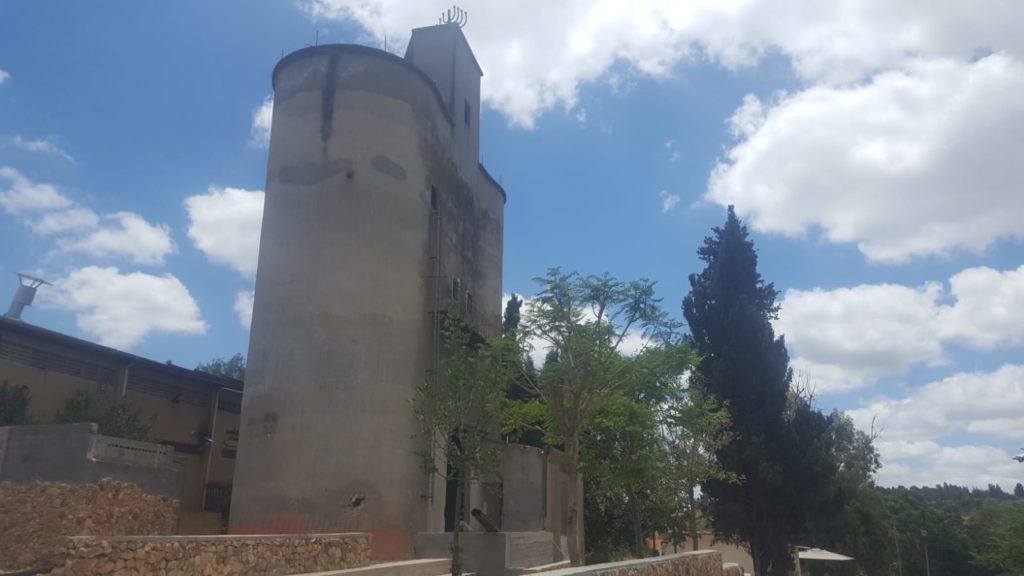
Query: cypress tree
x=729, y=311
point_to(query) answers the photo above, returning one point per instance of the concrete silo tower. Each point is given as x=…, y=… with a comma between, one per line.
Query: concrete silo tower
x=378, y=216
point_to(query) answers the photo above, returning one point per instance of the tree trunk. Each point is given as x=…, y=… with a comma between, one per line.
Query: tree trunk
x=638, y=529
x=574, y=501
x=456, y=550
x=694, y=535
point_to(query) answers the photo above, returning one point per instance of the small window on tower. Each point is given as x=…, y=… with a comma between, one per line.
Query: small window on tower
x=469, y=303
x=468, y=111
x=456, y=288
x=433, y=197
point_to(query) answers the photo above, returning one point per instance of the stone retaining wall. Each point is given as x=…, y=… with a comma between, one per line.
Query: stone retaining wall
x=36, y=518
x=214, y=555
x=699, y=563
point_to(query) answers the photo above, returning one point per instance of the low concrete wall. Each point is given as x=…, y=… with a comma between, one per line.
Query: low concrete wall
x=732, y=569
x=699, y=563
x=35, y=519
x=422, y=567
x=76, y=454
x=214, y=555
x=491, y=553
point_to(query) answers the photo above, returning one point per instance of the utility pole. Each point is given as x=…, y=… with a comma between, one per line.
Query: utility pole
x=896, y=538
x=927, y=564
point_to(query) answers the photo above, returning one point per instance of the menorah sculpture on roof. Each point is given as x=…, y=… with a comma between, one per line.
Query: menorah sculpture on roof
x=454, y=15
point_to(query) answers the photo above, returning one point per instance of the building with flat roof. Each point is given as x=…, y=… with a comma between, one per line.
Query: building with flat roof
x=194, y=413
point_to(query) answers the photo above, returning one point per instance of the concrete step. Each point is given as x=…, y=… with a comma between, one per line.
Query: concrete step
x=421, y=567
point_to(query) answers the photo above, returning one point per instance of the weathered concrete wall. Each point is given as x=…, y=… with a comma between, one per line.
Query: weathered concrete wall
x=36, y=518
x=699, y=563
x=214, y=555
x=432, y=49
x=362, y=195
x=75, y=454
x=524, y=488
x=731, y=553
x=491, y=553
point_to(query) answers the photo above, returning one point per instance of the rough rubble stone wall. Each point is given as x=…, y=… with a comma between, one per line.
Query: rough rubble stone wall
x=699, y=563
x=35, y=519
x=214, y=555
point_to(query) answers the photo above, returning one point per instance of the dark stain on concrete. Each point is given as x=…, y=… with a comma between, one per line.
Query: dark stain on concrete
x=309, y=174
x=269, y=423
x=327, y=99
x=386, y=165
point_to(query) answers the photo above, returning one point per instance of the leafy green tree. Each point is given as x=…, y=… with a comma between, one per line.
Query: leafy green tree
x=112, y=416
x=14, y=401
x=459, y=414
x=729, y=311
x=1002, y=547
x=512, y=316
x=233, y=367
x=697, y=427
x=860, y=528
x=583, y=321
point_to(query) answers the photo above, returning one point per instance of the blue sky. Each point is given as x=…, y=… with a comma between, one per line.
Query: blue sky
x=873, y=149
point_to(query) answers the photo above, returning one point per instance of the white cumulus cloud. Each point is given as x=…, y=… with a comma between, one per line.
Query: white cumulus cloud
x=225, y=224
x=120, y=310
x=259, y=132
x=849, y=338
x=963, y=402
x=4, y=76
x=989, y=310
x=989, y=405
x=19, y=195
x=128, y=236
x=63, y=221
x=536, y=54
x=915, y=162
x=243, y=307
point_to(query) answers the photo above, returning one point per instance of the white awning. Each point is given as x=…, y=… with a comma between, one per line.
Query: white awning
x=819, y=554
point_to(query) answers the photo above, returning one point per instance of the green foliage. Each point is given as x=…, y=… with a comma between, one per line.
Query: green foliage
x=1001, y=546
x=583, y=322
x=697, y=427
x=512, y=315
x=112, y=416
x=14, y=401
x=460, y=413
x=233, y=367
x=729, y=311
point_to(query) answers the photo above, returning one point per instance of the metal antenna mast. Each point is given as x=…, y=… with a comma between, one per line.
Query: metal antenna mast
x=454, y=15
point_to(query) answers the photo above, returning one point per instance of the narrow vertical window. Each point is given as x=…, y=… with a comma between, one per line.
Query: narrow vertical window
x=433, y=198
x=467, y=112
